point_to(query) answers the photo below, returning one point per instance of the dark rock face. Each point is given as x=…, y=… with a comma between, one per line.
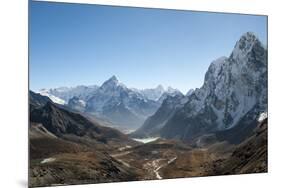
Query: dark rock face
x=37, y=100
x=59, y=121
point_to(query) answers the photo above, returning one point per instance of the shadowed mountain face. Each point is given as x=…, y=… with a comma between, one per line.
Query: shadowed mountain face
x=155, y=123
x=234, y=93
x=37, y=101
x=250, y=156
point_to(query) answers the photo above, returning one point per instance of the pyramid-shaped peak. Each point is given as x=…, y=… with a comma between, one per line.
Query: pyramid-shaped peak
x=113, y=78
x=111, y=82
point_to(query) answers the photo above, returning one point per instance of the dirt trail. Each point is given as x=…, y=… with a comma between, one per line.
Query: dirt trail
x=120, y=154
x=152, y=167
x=156, y=165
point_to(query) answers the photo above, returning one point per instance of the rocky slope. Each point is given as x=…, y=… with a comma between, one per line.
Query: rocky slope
x=36, y=100
x=251, y=156
x=67, y=148
x=57, y=161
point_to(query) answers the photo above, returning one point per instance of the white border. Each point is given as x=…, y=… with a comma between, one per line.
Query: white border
x=13, y=94
x=214, y=5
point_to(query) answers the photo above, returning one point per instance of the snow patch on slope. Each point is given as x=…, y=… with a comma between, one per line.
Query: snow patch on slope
x=52, y=97
x=262, y=116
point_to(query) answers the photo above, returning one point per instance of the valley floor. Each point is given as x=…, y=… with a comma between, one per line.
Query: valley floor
x=70, y=163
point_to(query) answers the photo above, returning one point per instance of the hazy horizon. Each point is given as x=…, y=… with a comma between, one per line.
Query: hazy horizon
x=77, y=44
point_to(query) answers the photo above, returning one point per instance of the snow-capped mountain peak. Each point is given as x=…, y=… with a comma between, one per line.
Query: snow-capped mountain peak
x=66, y=93
x=234, y=92
x=114, y=101
x=112, y=83
x=113, y=79
x=245, y=45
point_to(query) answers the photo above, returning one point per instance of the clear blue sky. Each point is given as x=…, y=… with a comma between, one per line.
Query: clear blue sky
x=74, y=44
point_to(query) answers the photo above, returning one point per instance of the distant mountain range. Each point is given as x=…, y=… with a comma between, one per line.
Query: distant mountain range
x=232, y=97
x=112, y=101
